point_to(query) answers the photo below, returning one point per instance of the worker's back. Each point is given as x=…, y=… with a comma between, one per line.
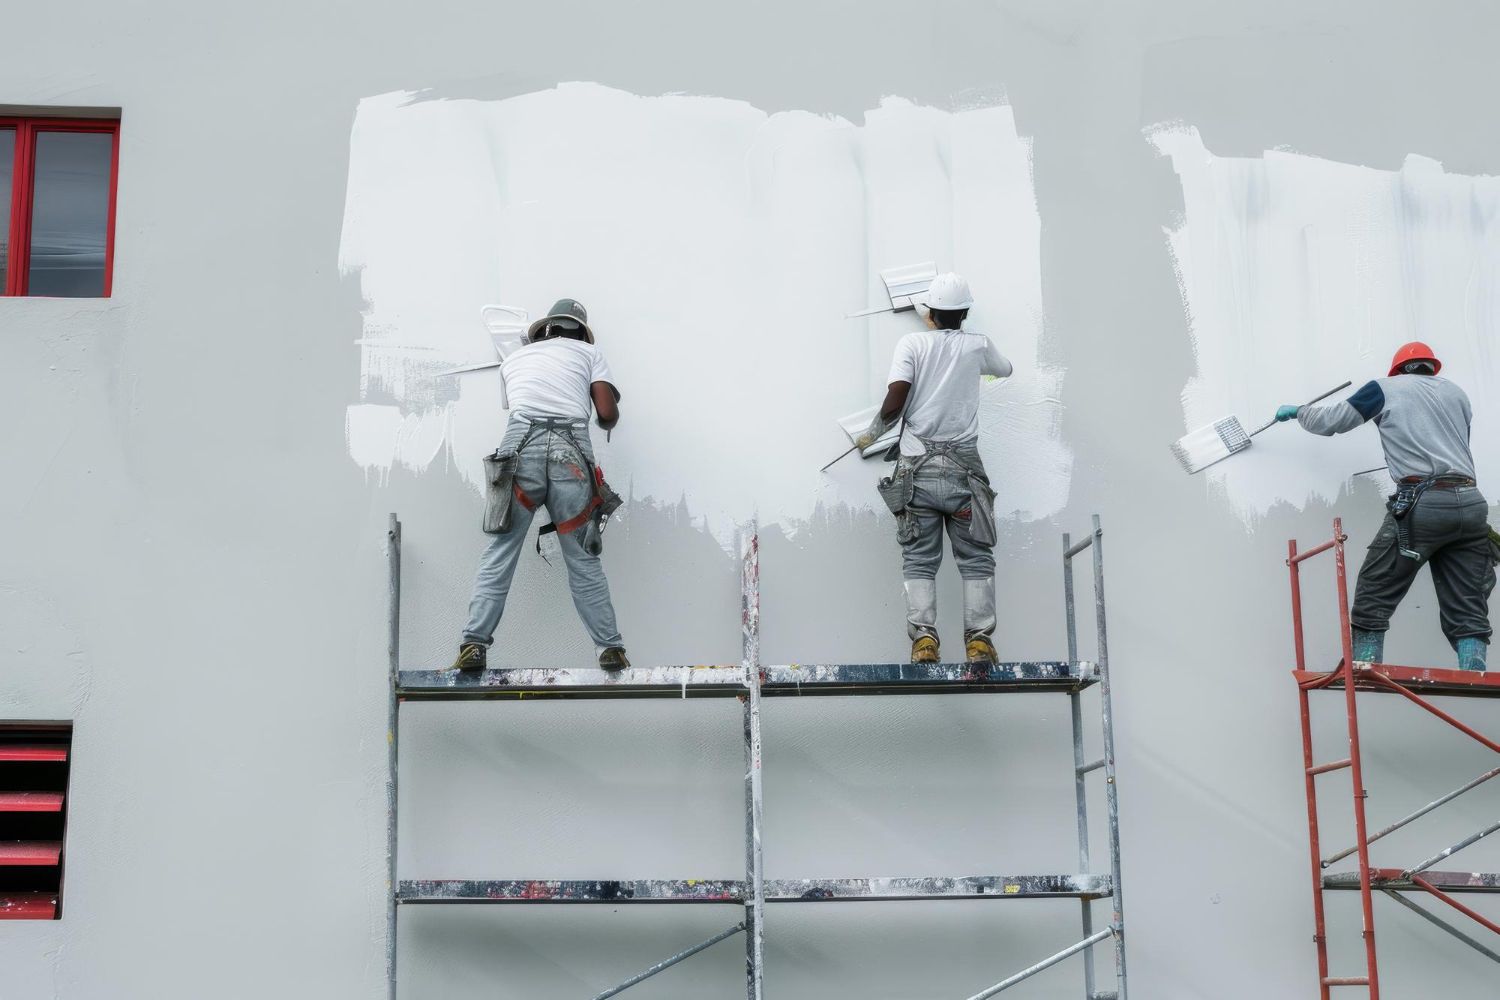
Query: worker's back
x=1424, y=424
x=551, y=377
x=944, y=368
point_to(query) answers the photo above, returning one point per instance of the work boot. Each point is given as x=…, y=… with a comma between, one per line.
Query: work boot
x=925, y=650
x=1369, y=647
x=471, y=656
x=613, y=658
x=980, y=649
x=1471, y=651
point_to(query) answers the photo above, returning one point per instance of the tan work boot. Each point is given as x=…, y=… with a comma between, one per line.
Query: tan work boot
x=980, y=650
x=925, y=650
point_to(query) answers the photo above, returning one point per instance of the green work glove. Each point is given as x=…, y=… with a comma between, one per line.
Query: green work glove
x=1286, y=412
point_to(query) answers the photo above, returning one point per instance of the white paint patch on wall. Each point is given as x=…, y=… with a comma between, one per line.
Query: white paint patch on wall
x=717, y=249
x=1298, y=273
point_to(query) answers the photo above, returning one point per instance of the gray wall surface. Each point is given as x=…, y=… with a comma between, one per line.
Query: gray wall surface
x=193, y=568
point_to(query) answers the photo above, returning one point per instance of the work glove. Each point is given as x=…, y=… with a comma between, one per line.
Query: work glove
x=1286, y=413
x=872, y=433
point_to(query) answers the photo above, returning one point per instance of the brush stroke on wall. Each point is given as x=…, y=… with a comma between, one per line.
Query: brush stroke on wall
x=1298, y=273
x=717, y=248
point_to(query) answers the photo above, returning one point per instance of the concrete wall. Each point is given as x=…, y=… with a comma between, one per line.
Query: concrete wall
x=193, y=560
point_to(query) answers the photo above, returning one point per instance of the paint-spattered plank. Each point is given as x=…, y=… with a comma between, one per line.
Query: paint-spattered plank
x=1390, y=878
x=1421, y=680
x=572, y=891
x=46, y=753
x=728, y=681
x=28, y=906
x=777, y=890
x=29, y=852
x=940, y=887
x=31, y=802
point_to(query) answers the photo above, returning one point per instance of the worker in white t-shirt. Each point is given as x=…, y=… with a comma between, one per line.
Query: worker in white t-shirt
x=546, y=459
x=939, y=483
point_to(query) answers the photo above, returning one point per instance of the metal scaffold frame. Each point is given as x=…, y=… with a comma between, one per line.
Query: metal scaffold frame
x=750, y=681
x=1416, y=685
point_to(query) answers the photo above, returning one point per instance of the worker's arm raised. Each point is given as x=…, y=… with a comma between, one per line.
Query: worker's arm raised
x=1337, y=418
x=606, y=404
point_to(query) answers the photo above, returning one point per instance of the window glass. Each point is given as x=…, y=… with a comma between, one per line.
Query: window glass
x=69, y=213
x=7, y=166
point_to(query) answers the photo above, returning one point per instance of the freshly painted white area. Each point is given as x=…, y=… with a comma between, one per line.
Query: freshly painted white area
x=1299, y=273
x=717, y=249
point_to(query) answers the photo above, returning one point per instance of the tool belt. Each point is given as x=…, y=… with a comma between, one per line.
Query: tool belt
x=900, y=486
x=1408, y=492
x=502, y=488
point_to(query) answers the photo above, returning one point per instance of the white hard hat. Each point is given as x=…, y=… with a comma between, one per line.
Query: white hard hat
x=949, y=291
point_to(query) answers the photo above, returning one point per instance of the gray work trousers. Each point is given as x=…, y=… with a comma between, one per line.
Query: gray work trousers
x=942, y=503
x=553, y=471
x=1449, y=529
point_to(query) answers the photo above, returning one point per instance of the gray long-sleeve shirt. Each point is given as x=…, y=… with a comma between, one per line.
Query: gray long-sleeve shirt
x=1423, y=421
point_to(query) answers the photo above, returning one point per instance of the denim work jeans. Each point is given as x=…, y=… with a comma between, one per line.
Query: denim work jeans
x=942, y=503
x=1450, y=530
x=552, y=470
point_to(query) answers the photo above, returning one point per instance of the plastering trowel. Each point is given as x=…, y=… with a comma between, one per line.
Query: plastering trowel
x=1222, y=438
x=906, y=287
x=507, y=330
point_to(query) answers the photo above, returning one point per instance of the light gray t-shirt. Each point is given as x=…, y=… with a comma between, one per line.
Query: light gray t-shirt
x=1423, y=420
x=943, y=367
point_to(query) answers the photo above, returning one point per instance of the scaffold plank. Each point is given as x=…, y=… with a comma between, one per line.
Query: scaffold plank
x=572, y=891
x=1422, y=680
x=735, y=891
x=728, y=681
x=1390, y=878
x=943, y=887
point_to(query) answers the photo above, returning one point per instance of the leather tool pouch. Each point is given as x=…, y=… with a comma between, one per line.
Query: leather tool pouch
x=982, y=511
x=592, y=533
x=499, y=491
x=1400, y=505
x=897, y=488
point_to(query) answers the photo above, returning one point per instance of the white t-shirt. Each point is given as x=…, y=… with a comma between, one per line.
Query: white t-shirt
x=551, y=377
x=943, y=367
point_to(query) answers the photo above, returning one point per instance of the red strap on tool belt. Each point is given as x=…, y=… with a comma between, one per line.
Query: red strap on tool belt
x=522, y=498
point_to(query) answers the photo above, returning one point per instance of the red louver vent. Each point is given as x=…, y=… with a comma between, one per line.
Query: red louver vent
x=35, y=758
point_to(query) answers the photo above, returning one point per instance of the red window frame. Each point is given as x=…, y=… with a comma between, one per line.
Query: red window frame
x=23, y=179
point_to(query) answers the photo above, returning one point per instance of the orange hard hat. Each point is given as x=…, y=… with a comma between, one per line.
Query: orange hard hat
x=1415, y=351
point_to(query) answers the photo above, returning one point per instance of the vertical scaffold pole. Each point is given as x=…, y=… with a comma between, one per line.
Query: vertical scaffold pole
x=1310, y=780
x=1111, y=790
x=1080, y=776
x=393, y=657
x=754, y=870
x=1356, y=771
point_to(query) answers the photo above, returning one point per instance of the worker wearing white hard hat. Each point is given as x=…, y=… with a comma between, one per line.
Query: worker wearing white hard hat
x=939, y=484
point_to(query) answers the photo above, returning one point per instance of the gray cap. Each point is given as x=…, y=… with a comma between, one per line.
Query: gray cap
x=568, y=314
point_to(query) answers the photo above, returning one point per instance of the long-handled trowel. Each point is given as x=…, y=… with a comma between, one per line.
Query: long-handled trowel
x=507, y=328
x=1223, y=438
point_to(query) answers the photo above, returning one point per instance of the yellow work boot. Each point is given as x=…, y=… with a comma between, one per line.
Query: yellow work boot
x=925, y=650
x=980, y=650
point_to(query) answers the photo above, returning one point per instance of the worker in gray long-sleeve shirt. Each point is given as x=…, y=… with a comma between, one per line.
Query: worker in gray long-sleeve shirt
x=1437, y=514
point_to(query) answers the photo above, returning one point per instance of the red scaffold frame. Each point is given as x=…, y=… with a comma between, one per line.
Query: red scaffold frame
x=1354, y=677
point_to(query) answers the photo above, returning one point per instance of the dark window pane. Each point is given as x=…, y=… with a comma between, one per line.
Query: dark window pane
x=69, y=213
x=7, y=167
